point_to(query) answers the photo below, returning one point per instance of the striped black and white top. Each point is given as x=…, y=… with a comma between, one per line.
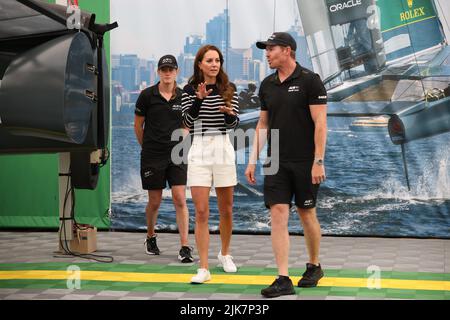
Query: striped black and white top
x=203, y=116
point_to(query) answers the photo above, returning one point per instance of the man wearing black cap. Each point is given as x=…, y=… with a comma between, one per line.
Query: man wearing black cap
x=157, y=115
x=293, y=102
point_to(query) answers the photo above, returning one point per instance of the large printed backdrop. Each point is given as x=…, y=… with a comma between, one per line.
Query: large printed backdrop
x=365, y=193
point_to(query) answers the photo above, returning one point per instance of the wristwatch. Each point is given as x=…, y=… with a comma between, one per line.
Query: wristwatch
x=318, y=161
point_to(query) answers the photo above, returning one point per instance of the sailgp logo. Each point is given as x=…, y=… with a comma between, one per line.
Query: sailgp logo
x=148, y=173
x=345, y=5
x=308, y=203
x=294, y=89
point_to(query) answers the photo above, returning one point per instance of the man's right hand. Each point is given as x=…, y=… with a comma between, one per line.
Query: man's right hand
x=250, y=173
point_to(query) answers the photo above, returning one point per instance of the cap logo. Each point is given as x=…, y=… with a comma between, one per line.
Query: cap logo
x=167, y=60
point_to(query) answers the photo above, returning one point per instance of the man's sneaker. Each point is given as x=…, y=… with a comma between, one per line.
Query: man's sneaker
x=202, y=275
x=151, y=247
x=185, y=254
x=311, y=276
x=227, y=262
x=281, y=286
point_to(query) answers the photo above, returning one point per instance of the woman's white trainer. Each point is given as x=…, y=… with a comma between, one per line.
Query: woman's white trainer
x=202, y=275
x=227, y=262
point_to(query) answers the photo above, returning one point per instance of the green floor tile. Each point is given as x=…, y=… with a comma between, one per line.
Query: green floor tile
x=231, y=286
x=202, y=289
x=177, y=285
x=429, y=297
x=315, y=292
x=342, y=293
x=256, y=291
x=92, y=287
x=5, y=284
x=272, y=273
x=435, y=277
x=42, y=286
x=345, y=289
x=154, y=288
x=402, y=276
x=230, y=290
x=346, y=274
x=252, y=270
x=400, y=294
x=124, y=286
x=172, y=289
x=371, y=295
x=123, y=268
x=430, y=294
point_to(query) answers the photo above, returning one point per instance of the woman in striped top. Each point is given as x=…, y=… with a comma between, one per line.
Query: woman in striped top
x=210, y=110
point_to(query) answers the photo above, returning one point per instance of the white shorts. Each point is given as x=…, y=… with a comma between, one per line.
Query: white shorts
x=211, y=162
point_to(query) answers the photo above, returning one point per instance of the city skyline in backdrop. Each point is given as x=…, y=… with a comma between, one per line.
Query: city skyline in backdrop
x=131, y=73
x=151, y=29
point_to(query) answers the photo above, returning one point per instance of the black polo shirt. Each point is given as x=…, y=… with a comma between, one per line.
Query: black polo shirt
x=288, y=104
x=162, y=117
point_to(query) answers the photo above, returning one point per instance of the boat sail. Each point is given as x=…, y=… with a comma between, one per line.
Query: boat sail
x=377, y=57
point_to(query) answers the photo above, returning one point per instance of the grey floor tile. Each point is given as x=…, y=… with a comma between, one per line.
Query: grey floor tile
x=303, y=297
x=29, y=291
x=23, y=296
x=288, y=297
x=168, y=295
x=143, y=294
x=105, y=298
x=406, y=267
x=110, y=293
x=58, y=291
x=77, y=297
x=48, y=297
x=8, y=291
x=224, y=296
x=135, y=298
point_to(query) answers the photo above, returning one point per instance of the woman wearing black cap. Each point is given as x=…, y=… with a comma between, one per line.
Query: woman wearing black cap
x=210, y=111
x=157, y=116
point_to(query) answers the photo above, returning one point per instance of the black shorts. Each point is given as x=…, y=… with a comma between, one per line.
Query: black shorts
x=293, y=179
x=156, y=174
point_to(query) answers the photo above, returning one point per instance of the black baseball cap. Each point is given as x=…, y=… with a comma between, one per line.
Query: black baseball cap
x=278, y=39
x=168, y=61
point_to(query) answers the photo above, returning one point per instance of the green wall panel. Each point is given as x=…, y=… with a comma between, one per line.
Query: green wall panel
x=28, y=191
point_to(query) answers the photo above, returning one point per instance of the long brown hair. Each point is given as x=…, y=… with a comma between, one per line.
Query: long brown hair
x=226, y=90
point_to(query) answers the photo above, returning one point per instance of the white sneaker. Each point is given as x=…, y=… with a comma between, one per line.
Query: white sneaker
x=203, y=275
x=227, y=262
